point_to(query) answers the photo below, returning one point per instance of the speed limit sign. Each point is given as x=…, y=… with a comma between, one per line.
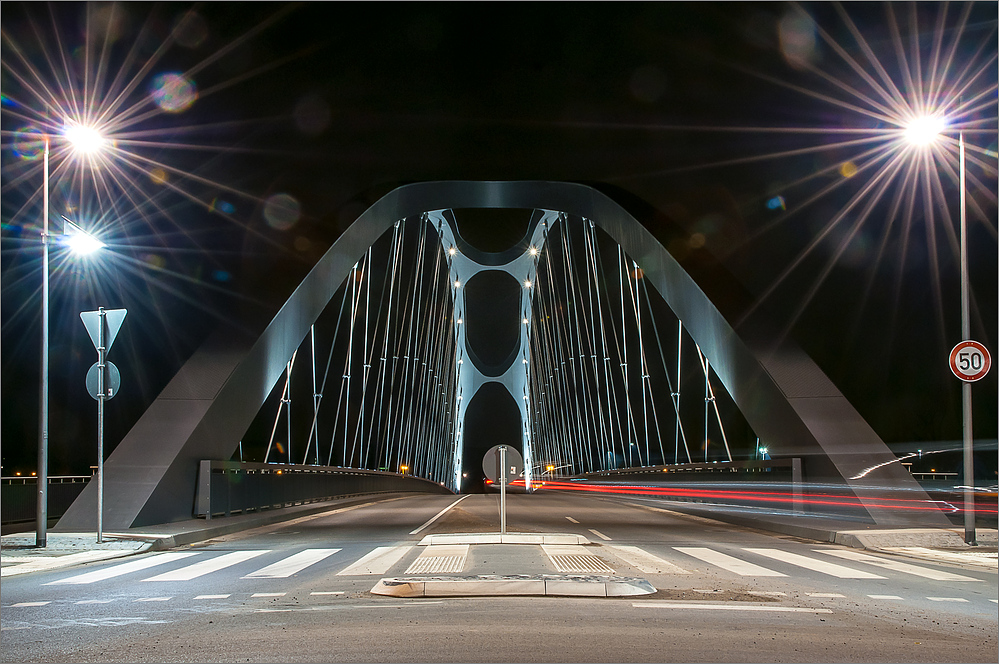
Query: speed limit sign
x=970, y=361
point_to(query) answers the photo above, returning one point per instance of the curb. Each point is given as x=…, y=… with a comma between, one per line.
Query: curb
x=492, y=585
x=504, y=538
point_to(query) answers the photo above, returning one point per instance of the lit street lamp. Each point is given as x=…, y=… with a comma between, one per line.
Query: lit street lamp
x=85, y=140
x=924, y=131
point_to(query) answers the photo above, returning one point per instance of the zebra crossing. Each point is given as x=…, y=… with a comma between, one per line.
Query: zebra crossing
x=185, y=566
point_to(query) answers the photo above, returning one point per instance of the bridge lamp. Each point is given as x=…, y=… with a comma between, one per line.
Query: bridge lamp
x=925, y=132
x=84, y=139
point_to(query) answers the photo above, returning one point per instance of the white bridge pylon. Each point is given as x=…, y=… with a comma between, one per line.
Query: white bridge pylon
x=516, y=377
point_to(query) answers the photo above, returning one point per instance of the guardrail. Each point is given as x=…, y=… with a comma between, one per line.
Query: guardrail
x=227, y=487
x=19, y=497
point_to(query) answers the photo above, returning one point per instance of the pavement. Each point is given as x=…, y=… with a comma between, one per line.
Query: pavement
x=513, y=567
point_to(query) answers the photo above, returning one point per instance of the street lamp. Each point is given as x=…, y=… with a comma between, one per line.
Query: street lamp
x=925, y=131
x=83, y=139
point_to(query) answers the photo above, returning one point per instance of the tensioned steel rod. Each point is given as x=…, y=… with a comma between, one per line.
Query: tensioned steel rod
x=569, y=321
x=714, y=401
x=354, y=295
x=284, y=395
x=383, y=360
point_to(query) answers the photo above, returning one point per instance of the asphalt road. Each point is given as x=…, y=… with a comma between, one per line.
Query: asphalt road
x=299, y=591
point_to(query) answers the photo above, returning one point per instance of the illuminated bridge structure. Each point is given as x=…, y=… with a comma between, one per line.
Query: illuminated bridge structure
x=608, y=325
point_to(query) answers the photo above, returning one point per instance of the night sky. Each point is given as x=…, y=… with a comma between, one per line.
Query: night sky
x=754, y=129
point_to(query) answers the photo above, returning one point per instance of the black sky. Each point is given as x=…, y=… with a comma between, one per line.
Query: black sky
x=337, y=103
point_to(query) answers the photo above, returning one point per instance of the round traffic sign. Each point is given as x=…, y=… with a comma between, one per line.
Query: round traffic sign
x=491, y=463
x=111, y=384
x=970, y=361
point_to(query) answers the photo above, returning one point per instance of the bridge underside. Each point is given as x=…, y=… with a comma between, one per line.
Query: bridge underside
x=205, y=410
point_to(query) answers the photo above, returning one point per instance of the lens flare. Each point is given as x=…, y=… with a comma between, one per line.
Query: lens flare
x=173, y=92
x=282, y=211
x=29, y=143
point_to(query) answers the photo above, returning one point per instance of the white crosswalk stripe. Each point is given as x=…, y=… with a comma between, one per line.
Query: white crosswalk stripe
x=207, y=566
x=726, y=562
x=126, y=568
x=897, y=565
x=821, y=566
x=377, y=561
x=292, y=564
x=644, y=561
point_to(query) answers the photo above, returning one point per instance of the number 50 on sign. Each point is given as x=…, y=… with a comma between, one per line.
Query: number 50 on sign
x=970, y=361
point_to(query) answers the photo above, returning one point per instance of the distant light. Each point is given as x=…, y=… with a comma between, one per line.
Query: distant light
x=527, y=283
x=525, y=321
x=925, y=130
x=84, y=138
x=457, y=284
x=534, y=251
x=452, y=251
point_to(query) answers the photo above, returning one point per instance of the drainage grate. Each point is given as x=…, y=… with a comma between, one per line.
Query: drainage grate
x=587, y=563
x=437, y=565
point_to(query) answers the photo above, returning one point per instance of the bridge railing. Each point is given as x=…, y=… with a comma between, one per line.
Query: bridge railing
x=19, y=497
x=227, y=487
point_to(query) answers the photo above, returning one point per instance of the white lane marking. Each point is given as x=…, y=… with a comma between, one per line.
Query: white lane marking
x=31, y=604
x=600, y=535
x=726, y=607
x=896, y=565
x=884, y=597
x=438, y=515
x=946, y=599
x=268, y=594
x=571, y=519
x=826, y=595
x=94, y=601
x=440, y=559
x=126, y=568
x=328, y=592
x=207, y=566
x=994, y=601
x=768, y=593
x=154, y=599
x=644, y=561
x=226, y=596
x=839, y=571
x=377, y=561
x=726, y=562
x=292, y=564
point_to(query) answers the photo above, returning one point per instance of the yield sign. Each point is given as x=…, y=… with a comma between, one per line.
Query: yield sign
x=92, y=321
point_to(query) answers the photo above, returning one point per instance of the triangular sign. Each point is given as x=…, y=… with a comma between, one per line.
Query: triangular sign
x=92, y=321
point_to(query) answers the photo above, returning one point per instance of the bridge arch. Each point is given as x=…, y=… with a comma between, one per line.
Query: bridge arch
x=206, y=407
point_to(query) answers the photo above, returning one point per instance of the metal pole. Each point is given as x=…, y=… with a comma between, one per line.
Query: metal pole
x=969, y=458
x=502, y=474
x=42, y=511
x=101, y=396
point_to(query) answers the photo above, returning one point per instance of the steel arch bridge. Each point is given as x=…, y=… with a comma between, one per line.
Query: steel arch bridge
x=208, y=406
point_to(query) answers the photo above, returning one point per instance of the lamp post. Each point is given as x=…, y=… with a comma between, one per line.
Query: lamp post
x=83, y=139
x=923, y=131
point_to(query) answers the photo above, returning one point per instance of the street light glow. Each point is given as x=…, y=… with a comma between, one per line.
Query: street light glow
x=79, y=241
x=84, y=138
x=925, y=130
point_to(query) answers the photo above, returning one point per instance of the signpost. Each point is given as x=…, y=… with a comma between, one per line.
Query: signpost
x=103, y=381
x=969, y=361
x=500, y=464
